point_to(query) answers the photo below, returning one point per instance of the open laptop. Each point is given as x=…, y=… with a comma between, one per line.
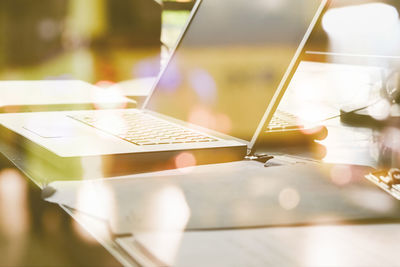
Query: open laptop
x=219, y=89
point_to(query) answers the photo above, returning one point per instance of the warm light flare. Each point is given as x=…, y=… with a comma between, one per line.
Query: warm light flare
x=203, y=117
x=110, y=97
x=98, y=200
x=185, y=160
x=170, y=216
x=211, y=120
x=104, y=84
x=14, y=219
x=224, y=123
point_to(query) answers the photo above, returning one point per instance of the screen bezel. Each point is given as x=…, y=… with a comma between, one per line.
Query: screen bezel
x=274, y=102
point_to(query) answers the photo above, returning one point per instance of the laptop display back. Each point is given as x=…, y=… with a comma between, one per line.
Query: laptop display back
x=230, y=63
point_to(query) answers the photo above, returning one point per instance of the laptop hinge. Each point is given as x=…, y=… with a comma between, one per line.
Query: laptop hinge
x=261, y=157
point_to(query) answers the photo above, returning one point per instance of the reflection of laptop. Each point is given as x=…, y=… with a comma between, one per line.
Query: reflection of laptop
x=57, y=95
x=218, y=91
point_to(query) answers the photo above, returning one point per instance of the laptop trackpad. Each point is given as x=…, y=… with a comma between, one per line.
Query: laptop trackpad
x=52, y=127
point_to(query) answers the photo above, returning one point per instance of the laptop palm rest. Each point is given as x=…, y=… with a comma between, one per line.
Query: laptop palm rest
x=57, y=127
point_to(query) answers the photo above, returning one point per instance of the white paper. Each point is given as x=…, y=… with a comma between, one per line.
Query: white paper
x=346, y=245
x=239, y=194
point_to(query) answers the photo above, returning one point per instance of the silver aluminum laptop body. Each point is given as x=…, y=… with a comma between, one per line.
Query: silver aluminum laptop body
x=198, y=89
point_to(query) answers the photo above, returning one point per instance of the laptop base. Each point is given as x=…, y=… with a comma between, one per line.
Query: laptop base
x=50, y=167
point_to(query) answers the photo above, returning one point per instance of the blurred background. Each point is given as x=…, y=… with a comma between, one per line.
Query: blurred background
x=90, y=40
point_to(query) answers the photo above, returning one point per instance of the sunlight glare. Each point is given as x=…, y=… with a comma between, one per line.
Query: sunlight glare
x=371, y=28
x=110, y=97
x=170, y=216
x=365, y=17
x=14, y=218
x=98, y=200
x=92, y=167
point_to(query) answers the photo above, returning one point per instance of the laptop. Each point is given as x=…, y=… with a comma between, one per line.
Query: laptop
x=57, y=95
x=218, y=91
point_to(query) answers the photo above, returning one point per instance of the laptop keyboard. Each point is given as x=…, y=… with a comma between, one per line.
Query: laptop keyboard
x=283, y=121
x=143, y=129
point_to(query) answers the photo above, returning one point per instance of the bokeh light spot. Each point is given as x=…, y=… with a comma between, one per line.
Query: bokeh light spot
x=341, y=175
x=185, y=159
x=203, y=84
x=289, y=198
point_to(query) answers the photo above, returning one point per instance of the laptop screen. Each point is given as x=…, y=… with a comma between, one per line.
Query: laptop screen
x=230, y=61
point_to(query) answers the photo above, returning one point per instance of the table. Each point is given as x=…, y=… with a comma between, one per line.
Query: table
x=344, y=144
